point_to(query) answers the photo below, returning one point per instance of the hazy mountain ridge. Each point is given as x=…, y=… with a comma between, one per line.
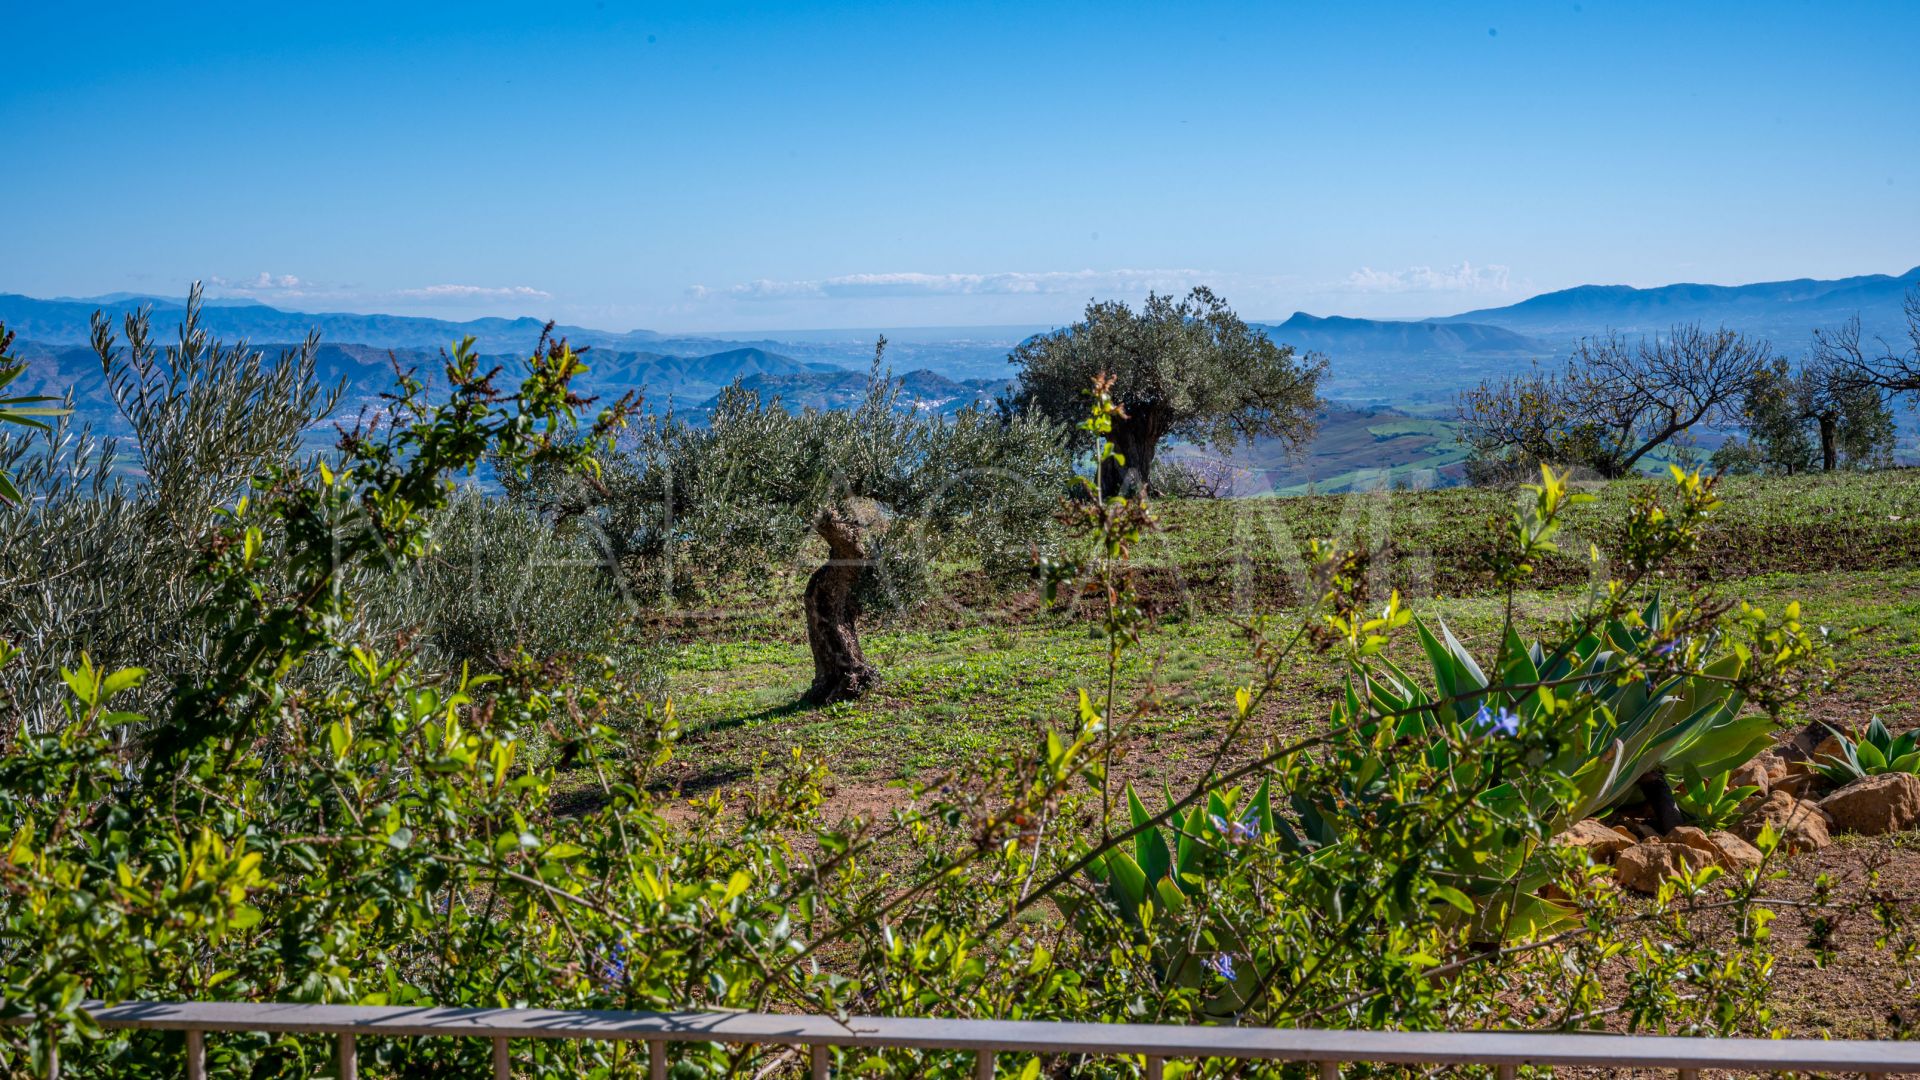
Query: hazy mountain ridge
x=366, y=372
x=1333, y=334
x=1789, y=310
x=1416, y=365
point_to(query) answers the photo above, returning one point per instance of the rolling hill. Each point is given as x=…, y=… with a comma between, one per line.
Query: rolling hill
x=1338, y=335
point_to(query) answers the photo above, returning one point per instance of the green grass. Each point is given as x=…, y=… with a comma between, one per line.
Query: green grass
x=985, y=669
x=951, y=695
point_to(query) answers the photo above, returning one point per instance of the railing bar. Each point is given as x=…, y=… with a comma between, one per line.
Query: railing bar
x=983, y=1065
x=502, y=1060
x=1689, y=1074
x=1156, y=1068
x=1508, y=1072
x=820, y=1056
x=196, y=1055
x=1486, y=1049
x=1329, y=1070
x=349, y=1057
x=656, y=1059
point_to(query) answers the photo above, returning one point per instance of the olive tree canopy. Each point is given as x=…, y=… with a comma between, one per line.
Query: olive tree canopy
x=1186, y=369
x=1814, y=417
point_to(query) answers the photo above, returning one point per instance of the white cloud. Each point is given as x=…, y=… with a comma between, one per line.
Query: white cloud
x=1465, y=278
x=286, y=289
x=259, y=283
x=910, y=284
x=475, y=292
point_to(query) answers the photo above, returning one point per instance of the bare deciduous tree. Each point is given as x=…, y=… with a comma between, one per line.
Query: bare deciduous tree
x=1613, y=403
x=1890, y=367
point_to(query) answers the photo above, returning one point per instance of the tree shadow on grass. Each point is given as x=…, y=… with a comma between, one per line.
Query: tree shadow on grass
x=771, y=712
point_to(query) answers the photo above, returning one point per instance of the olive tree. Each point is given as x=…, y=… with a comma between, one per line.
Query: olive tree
x=104, y=556
x=1611, y=404
x=886, y=487
x=1185, y=369
x=1815, y=417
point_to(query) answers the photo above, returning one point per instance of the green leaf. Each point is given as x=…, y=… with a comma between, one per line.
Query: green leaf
x=1870, y=758
x=1447, y=894
x=1129, y=884
x=124, y=679
x=1149, y=847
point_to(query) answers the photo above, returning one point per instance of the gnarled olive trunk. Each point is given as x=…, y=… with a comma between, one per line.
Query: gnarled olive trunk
x=840, y=668
x=1136, y=438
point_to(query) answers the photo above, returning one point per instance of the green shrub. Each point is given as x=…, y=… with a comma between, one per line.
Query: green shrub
x=502, y=582
x=19, y=411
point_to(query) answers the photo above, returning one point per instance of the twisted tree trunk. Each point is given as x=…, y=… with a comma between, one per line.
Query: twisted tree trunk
x=1136, y=439
x=840, y=668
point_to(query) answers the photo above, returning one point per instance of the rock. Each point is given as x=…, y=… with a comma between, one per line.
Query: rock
x=1644, y=866
x=1602, y=843
x=1723, y=848
x=1691, y=836
x=1802, y=825
x=1735, y=854
x=1886, y=803
x=1631, y=836
x=1797, y=779
x=1757, y=774
x=1828, y=747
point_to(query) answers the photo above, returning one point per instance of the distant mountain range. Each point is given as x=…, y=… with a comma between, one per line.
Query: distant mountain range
x=1786, y=310
x=367, y=371
x=1414, y=365
x=68, y=322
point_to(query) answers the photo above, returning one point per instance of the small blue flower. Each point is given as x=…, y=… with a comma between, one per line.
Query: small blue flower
x=610, y=967
x=1505, y=722
x=1236, y=832
x=1221, y=964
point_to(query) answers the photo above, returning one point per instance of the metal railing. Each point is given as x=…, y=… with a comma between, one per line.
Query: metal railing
x=986, y=1039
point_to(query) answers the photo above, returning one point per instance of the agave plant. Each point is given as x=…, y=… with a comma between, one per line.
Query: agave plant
x=1878, y=752
x=1597, y=730
x=1710, y=801
x=23, y=410
x=1171, y=864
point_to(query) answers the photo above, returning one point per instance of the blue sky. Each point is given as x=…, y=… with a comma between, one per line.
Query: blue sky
x=778, y=166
